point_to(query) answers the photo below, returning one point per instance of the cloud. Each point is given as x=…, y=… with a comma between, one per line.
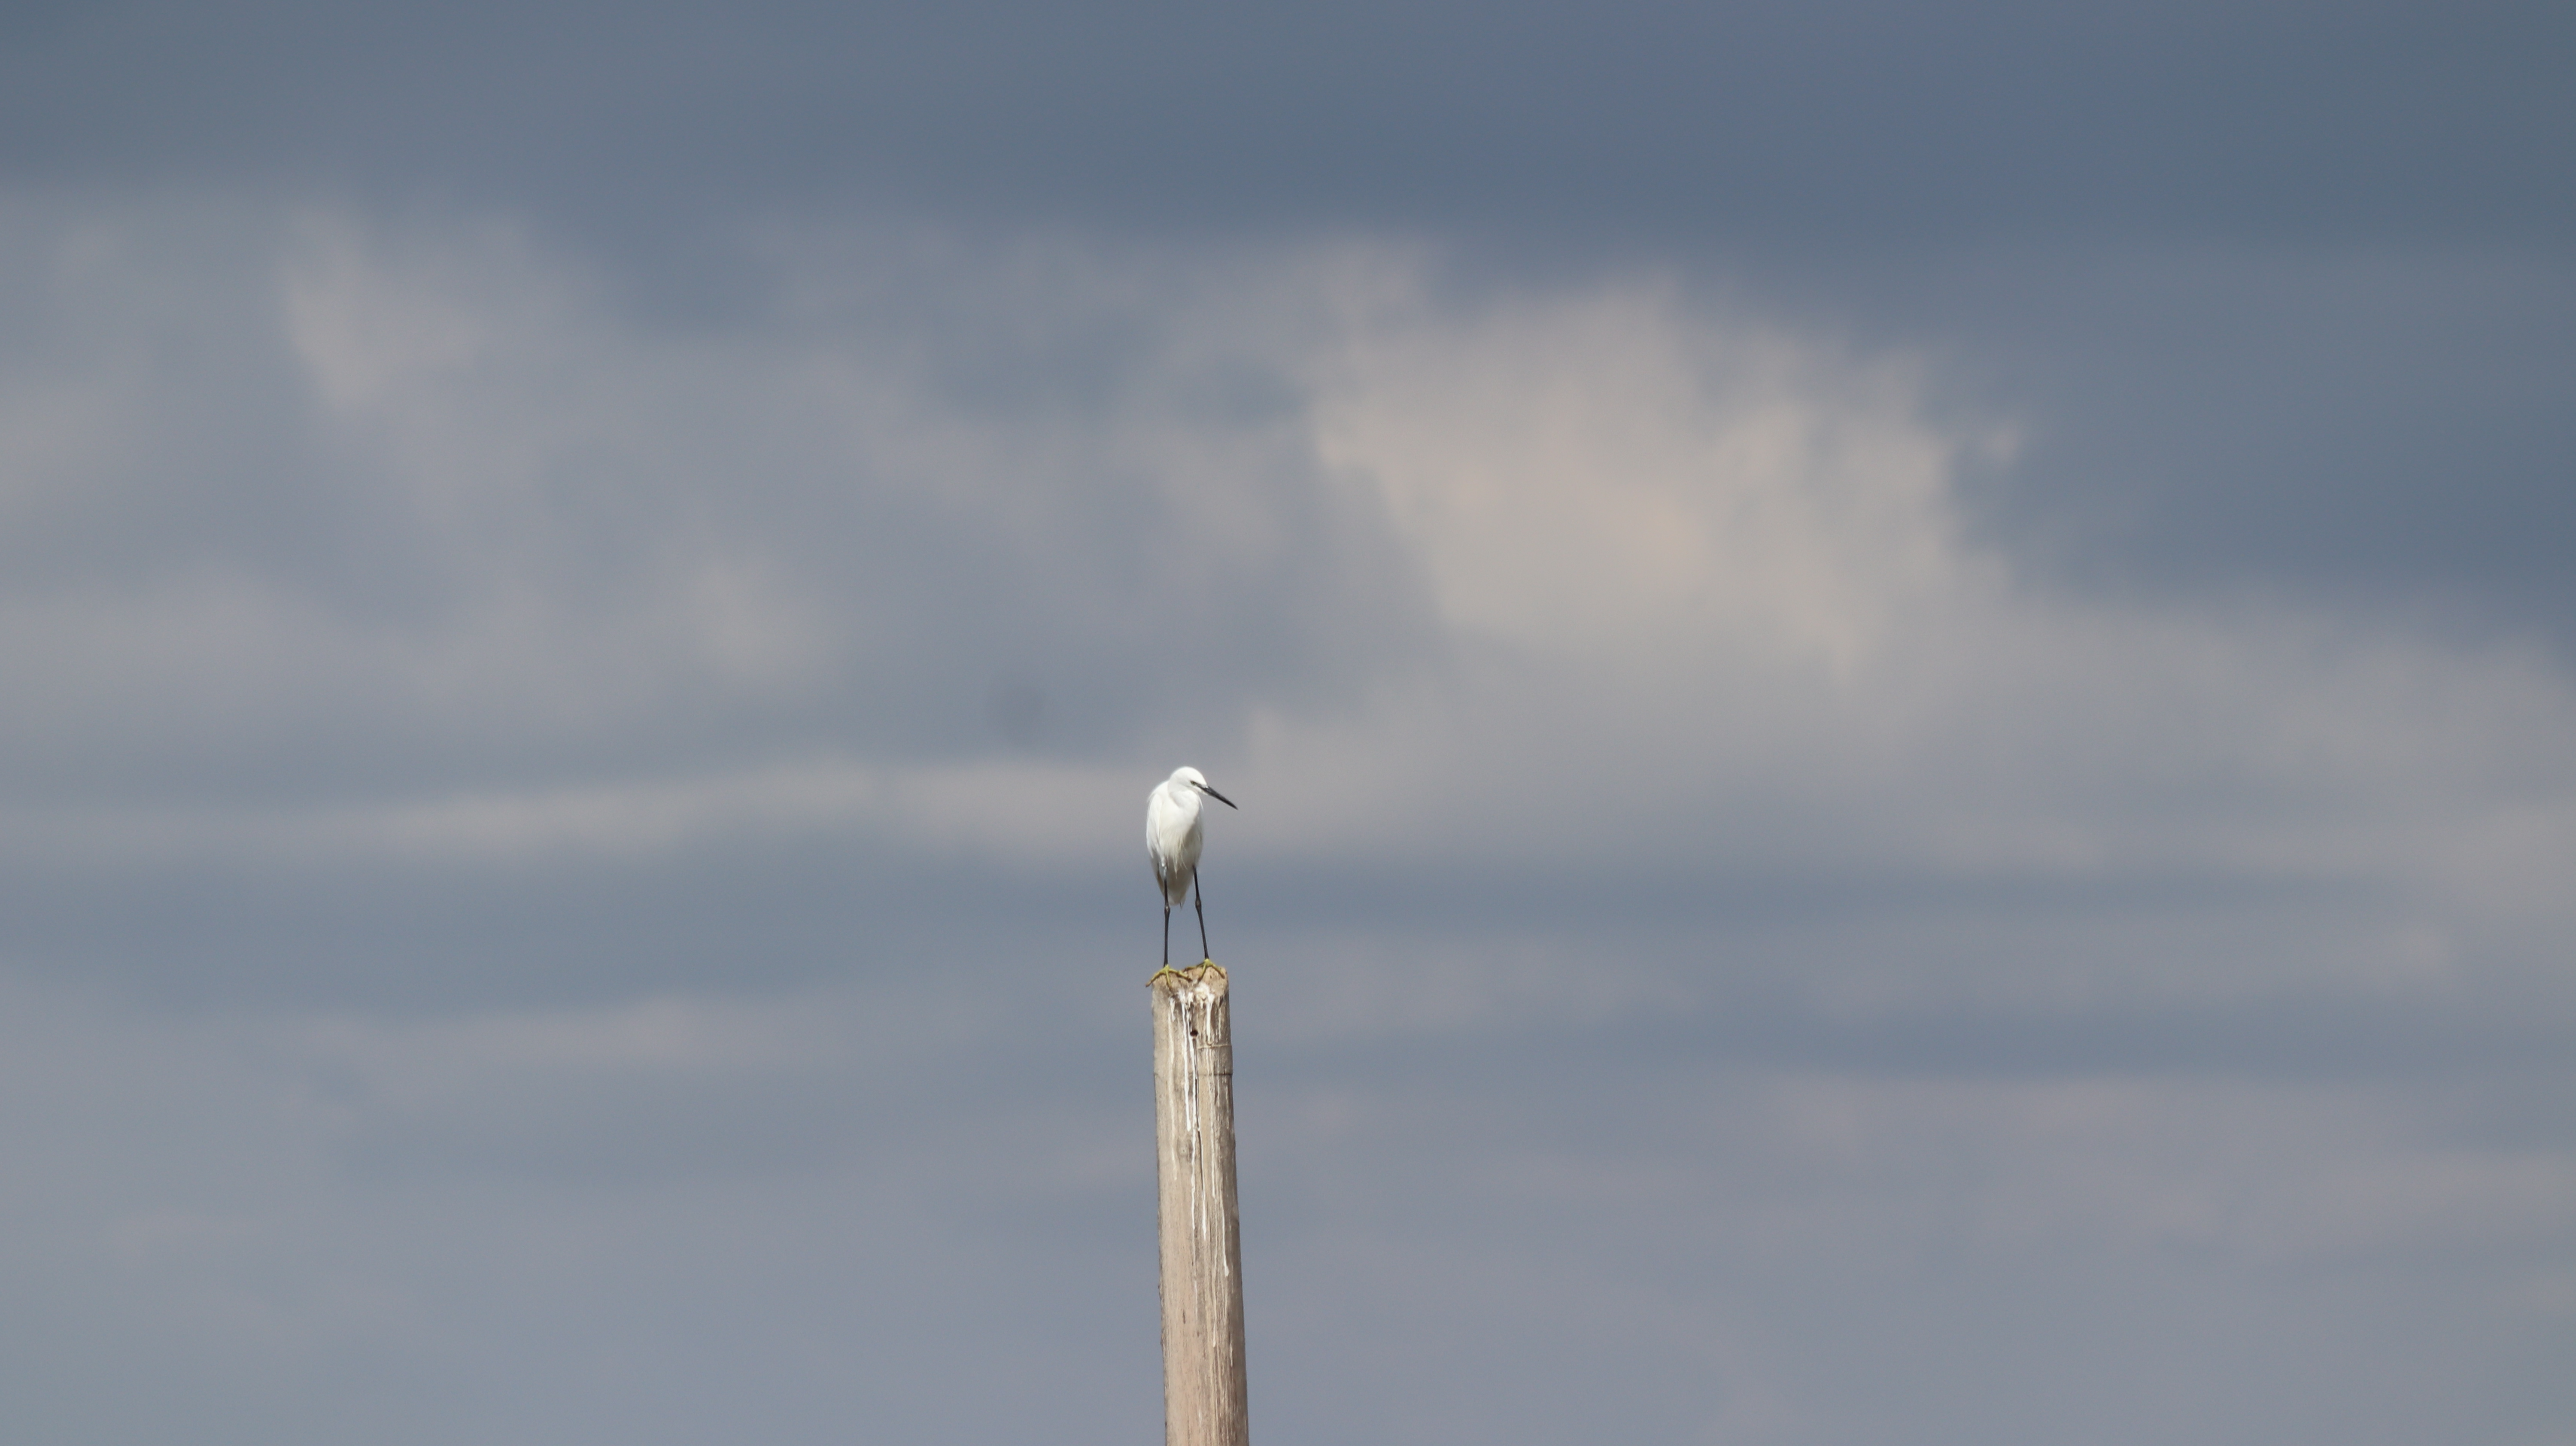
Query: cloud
x=1846, y=128
x=1599, y=579
x=837, y=1203
x=1603, y=474
x=581, y=854
x=1711, y=609
x=531, y=528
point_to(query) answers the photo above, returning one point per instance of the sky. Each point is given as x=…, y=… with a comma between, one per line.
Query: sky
x=1902, y=683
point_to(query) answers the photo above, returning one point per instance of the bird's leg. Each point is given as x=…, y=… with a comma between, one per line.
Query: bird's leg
x=1199, y=898
x=1167, y=946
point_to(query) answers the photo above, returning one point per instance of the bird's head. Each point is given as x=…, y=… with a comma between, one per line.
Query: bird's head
x=1188, y=777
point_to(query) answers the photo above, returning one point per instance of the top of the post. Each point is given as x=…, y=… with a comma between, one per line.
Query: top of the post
x=1205, y=980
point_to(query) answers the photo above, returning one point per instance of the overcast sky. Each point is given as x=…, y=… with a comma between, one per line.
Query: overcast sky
x=1902, y=681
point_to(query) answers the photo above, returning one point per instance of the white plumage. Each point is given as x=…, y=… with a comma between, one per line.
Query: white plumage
x=1172, y=843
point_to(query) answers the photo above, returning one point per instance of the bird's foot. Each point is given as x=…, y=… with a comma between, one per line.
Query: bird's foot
x=1159, y=973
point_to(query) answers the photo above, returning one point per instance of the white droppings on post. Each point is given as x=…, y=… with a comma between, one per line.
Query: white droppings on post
x=1203, y=1374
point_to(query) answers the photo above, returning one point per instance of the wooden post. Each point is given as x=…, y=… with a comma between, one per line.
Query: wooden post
x=1202, y=1261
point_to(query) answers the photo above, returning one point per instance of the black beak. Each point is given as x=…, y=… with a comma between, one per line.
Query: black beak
x=1219, y=797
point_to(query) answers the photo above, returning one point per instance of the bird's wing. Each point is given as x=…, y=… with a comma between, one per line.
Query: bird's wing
x=1172, y=836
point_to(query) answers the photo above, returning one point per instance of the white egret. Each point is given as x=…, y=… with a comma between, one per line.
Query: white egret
x=1172, y=841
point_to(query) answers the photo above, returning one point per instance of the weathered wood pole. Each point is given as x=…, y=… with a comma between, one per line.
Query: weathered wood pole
x=1202, y=1260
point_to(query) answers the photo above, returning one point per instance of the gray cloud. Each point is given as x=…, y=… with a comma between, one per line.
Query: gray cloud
x=2380, y=427
x=1901, y=710
x=2137, y=217
x=457, y=514
x=1800, y=125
